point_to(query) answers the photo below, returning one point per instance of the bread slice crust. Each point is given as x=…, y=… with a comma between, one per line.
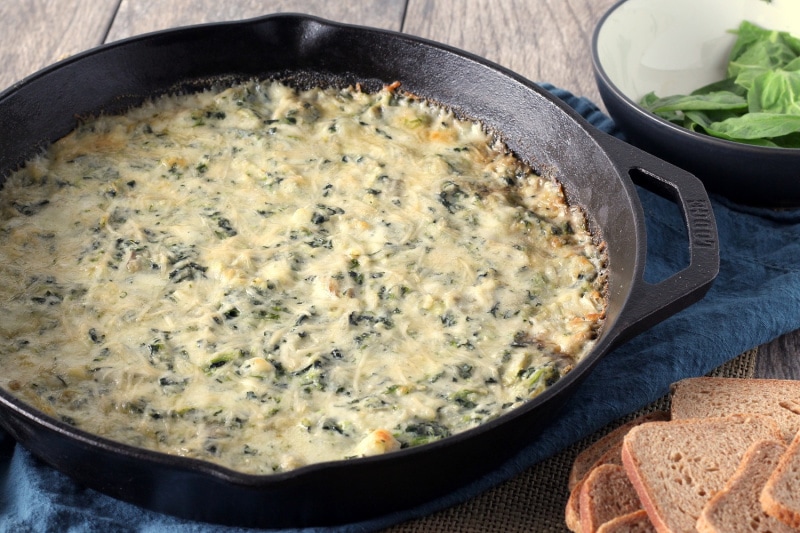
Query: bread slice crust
x=611, y=442
x=635, y=522
x=605, y=494
x=716, y=396
x=780, y=497
x=736, y=508
x=605, y=450
x=677, y=466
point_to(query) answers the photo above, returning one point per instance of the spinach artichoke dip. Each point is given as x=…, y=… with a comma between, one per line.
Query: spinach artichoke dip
x=266, y=277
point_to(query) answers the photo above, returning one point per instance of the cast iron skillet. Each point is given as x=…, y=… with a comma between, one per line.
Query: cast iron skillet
x=594, y=168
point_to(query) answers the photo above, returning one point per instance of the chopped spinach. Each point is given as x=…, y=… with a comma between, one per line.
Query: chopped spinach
x=422, y=432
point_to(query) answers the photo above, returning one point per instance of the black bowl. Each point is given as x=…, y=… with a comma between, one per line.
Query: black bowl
x=674, y=47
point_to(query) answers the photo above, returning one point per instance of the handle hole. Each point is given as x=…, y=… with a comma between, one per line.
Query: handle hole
x=665, y=226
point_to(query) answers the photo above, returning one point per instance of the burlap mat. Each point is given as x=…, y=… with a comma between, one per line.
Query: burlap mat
x=533, y=502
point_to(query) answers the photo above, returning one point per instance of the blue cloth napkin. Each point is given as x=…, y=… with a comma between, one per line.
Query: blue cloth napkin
x=755, y=298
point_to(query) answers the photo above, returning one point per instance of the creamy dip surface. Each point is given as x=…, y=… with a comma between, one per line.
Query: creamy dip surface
x=265, y=277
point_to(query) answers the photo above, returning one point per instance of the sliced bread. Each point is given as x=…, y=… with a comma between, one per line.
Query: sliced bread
x=710, y=396
x=736, y=508
x=677, y=466
x=590, y=457
x=611, y=457
x=605, y=494
x=572, y=512
x=780, y=497
x=605, y=450
x=635, y=522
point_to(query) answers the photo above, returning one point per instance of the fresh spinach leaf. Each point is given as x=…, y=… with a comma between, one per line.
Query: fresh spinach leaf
x=793, y=65
x=775, y=91
x=762, y=55
x=693, y=102
x=728, y=84
x=758, y=102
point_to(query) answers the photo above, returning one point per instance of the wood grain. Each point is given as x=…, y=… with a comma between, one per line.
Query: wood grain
x=780, y=358
x=543, y=40
x=36, y=33
x=141, y=16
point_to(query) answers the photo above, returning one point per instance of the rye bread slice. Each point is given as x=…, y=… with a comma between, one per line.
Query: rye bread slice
x=572, y=513
x=593, y=454
x=677, y=466
x=605, y=494
x=605, y=450
x=711, y=396
x=635, y=522
x=736, y=508
x=780, y=497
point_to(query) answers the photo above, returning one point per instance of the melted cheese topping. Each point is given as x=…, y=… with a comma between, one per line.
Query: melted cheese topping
x=266, y=278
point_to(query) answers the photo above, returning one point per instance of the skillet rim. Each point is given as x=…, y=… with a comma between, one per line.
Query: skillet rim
x=607, y=341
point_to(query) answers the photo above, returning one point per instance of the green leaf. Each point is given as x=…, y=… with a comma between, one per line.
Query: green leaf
x=728, y=84
x=648, y=99
x=702, y=120
x=776, y=91
x=757, y=103
x=791, y=41
x=762, y=55
x=754, y=142
x=793, y=65
x=747, y=77
x=696, y=121
x=788, y=141
x=699, y=102
x=756, y=125
x=747, y=34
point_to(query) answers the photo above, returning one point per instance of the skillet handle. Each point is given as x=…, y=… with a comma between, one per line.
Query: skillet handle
x=649, y=303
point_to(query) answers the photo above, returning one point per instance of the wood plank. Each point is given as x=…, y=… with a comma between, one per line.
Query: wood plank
x=543, y=40
x=36, y=33
x=780, y=358
x=141, y=16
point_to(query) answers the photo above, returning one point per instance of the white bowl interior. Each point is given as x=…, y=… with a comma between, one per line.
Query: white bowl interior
x=676, y=46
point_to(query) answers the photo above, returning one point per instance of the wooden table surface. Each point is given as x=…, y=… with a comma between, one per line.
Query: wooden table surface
x=543, y=40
